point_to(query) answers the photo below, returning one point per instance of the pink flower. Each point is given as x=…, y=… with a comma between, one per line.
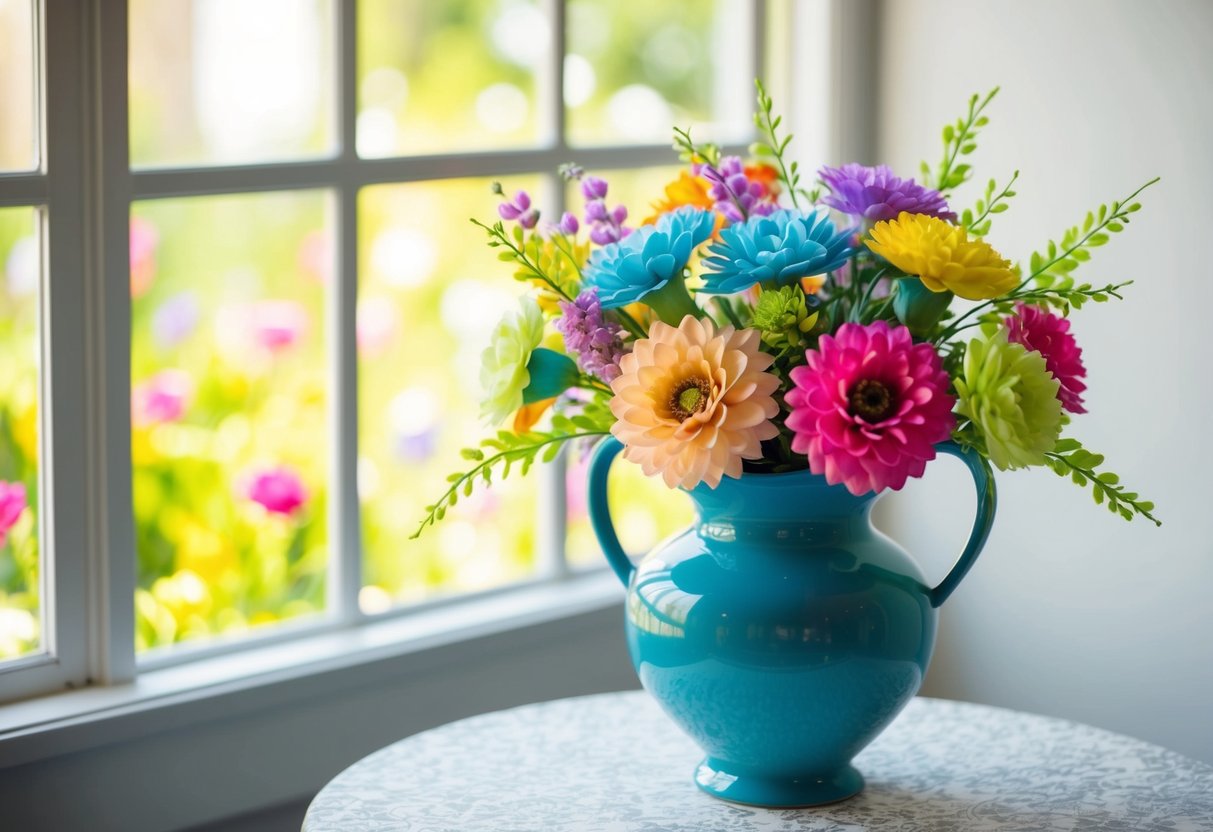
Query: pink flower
x=278, y=490
x=869, y=407
x=144, y=240
x=278, y=325
x=315, y=256
x=1048, y=334
x=12, y=504
x=377, y=322
x=162, y=398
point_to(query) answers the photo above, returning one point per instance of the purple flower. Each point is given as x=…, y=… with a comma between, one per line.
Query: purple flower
x=735, y=195
x=877, y=194
x=593, y=188
x=568, y=223
x=519, y=208
x=175, y=319
x=606, y=224
x=594, y=340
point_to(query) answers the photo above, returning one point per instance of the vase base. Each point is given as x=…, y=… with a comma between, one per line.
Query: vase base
x=778, y=792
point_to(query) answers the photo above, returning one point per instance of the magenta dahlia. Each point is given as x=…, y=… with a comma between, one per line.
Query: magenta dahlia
x=1048, y=334
x=869, y=407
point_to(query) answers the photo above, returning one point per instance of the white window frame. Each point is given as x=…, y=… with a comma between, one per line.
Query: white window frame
x=86, y=525
x=88, y=567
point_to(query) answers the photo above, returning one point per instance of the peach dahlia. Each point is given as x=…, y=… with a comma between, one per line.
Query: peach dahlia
x=692, y=402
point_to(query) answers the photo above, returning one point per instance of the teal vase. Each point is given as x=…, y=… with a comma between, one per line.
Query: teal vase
x=782, y=632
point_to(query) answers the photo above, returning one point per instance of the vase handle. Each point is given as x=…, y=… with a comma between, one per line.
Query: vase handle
x=987, y=498
x=600, y=509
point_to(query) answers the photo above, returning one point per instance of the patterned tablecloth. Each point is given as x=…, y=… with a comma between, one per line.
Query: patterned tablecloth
x=615, y=763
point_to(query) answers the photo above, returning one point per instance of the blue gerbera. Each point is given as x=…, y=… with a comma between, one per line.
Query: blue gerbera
x=777, y=249
x=647, y=259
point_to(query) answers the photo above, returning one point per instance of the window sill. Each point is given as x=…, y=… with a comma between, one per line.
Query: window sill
x=306, y=668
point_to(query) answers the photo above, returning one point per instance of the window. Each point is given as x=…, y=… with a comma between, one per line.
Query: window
x=260, y=280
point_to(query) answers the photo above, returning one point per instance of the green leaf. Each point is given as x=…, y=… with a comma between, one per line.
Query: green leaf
x=551, y=374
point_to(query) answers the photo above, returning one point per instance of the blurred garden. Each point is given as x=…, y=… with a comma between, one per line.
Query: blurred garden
x=230, y=345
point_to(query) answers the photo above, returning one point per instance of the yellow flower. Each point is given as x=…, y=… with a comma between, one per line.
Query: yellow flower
x=692, y=402
x=942, y=256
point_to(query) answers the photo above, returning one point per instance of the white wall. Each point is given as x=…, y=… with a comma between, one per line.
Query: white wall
x=1071, y=611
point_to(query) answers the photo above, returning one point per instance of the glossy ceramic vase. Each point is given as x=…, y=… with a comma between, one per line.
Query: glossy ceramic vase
x=782, y=632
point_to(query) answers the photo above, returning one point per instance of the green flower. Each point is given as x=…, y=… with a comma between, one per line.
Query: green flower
x=503, y=372
x=783, y=317
x=1011, y=398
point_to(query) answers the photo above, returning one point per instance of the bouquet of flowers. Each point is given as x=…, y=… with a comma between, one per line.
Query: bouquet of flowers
x=754, y=324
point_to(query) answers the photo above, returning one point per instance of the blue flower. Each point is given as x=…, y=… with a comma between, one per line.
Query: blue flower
x=780, y=249
x=648, y=258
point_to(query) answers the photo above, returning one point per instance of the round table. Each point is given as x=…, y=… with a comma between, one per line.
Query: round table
x=614, y=763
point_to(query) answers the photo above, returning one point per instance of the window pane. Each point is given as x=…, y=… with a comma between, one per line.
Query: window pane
x=436, y=77
x=229, y=428
x=18, y=132
x=636, y=68
x=430, y=293
x=20, y=613
x=229, y=81
x=643, y=511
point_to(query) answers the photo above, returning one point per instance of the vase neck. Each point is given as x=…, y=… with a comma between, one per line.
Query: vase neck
x=798, y=496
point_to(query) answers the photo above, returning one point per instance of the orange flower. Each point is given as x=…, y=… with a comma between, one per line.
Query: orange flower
x=693, y=402
x=527, y=416
x=687, y=189
x=764, y=174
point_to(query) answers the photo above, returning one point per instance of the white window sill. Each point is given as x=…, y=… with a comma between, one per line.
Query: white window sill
x=285, y=672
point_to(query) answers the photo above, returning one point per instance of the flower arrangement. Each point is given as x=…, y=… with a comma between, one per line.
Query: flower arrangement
x=755, y=325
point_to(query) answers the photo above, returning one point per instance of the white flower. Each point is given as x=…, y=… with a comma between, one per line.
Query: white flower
x=503, y=373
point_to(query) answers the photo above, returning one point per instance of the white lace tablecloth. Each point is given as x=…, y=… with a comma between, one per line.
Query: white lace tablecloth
x=615, y=763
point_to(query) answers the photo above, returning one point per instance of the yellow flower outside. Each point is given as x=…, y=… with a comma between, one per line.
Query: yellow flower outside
x=942, y=256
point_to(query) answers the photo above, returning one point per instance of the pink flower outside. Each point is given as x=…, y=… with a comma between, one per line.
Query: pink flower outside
x=162, y=398
x=1048, y=334
x=869, y=407
x=12, y=504
x=278, y=490
x=277, y=325
x=144, y=241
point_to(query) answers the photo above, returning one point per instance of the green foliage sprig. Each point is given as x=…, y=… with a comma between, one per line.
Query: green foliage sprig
x=693, y=153
x=959, y=139
x=1052, y=267
x=1070, y=459
x=501, y=453
x=1063, y=299
x=774, y=147
x=516, y=250
x=978, y=219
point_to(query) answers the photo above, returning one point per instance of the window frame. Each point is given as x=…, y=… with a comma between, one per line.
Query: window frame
x=87, y=185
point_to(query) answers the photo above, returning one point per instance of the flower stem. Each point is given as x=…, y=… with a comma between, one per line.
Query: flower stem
x=672, y=302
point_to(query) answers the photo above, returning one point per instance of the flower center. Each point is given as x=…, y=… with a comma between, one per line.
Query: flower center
x=871, y=400
x=689, y=397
